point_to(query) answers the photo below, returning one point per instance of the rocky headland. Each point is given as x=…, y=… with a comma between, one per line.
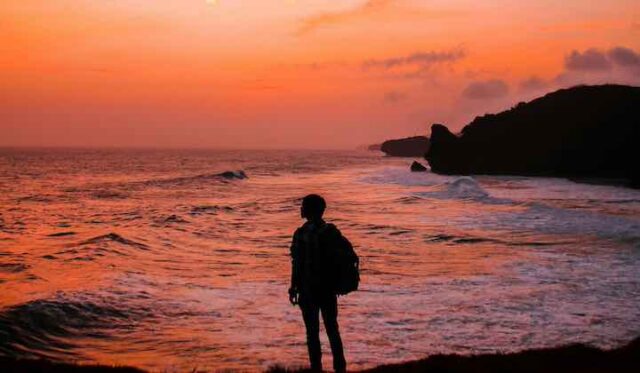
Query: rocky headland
x=584, y=132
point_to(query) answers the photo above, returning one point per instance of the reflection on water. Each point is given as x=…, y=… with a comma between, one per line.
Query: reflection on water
x=159, y=259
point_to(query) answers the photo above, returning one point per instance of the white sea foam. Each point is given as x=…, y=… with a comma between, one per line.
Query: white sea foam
x=546, y=205
x=552, y=220
x=464, y=187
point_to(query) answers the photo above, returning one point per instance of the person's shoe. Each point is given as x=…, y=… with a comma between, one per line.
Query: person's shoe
x=340, y=369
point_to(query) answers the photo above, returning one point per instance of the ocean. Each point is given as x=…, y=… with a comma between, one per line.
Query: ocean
x=172, y=260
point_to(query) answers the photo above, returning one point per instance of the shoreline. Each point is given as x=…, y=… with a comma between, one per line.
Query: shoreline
x=576, y=178
x=569, y=358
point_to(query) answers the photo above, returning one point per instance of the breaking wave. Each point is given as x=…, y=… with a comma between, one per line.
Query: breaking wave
x=464, y=187
x=402, y=176
x=48, y=327
x=438, y=186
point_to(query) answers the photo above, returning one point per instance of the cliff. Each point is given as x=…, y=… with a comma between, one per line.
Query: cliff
x=416, y=146
x=585, y=131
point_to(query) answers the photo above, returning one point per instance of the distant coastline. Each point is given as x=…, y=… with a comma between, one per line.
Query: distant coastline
x=587, y=134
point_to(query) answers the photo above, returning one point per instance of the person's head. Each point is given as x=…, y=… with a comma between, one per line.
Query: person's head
x=313, y=207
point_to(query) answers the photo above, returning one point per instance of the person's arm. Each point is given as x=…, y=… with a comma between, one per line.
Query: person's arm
x=294, y=285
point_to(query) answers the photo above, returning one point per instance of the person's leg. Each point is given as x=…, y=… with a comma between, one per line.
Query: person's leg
x=329, y=308
x=311, y=316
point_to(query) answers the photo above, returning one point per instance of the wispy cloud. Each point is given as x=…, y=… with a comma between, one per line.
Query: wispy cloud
x=414, y=65
x=422, y=59
x=369, y=8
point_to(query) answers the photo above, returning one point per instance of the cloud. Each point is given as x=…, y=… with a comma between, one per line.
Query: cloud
x=594, y=59
x=533, y=83
x=412, y=66
x=589, y=60
x=384, y=10
x=393, y=97
x=369, y=7
x=422, y=59
x=620, y=65
x=622, y=56
x=486, y=89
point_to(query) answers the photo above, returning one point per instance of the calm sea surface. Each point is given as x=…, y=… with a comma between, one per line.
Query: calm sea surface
x=153, y=259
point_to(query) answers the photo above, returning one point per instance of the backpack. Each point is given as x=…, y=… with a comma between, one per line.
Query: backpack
x=345, y=271
x=347, y=267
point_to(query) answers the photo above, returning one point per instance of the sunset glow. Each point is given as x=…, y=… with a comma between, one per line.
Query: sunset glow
x=293, y=74
x=340, y=185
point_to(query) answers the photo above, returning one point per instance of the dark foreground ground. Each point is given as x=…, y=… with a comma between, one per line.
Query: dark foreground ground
x=574, y=358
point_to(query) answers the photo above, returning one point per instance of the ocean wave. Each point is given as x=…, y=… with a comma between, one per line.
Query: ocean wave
x=122, y=190
x=97, y=247
x=238, y=174
x=209, y=209
x=616, y=201
x=13, y=267
x=408, y=200
x=51, y=327
x=551, y=220
x=108, y=194
x=461, y=239
x=452, y=239
x=464, y=187
x=61, y=234
x=402, y=176
x=182, y=180
x=38, y=198
x=114, y=237
x=174, y=219
x=438, y=186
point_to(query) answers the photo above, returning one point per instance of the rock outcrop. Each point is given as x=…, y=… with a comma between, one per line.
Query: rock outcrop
x=416, y=146
x=585, y=131
x=417, y=167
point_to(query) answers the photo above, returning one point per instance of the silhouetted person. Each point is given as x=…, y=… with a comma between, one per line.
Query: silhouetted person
x=311, y=281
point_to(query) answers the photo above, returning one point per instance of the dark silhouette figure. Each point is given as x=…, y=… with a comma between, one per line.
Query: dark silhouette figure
x=311, y=281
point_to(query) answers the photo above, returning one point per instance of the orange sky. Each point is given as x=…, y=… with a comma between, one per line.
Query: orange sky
x=291, y=73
